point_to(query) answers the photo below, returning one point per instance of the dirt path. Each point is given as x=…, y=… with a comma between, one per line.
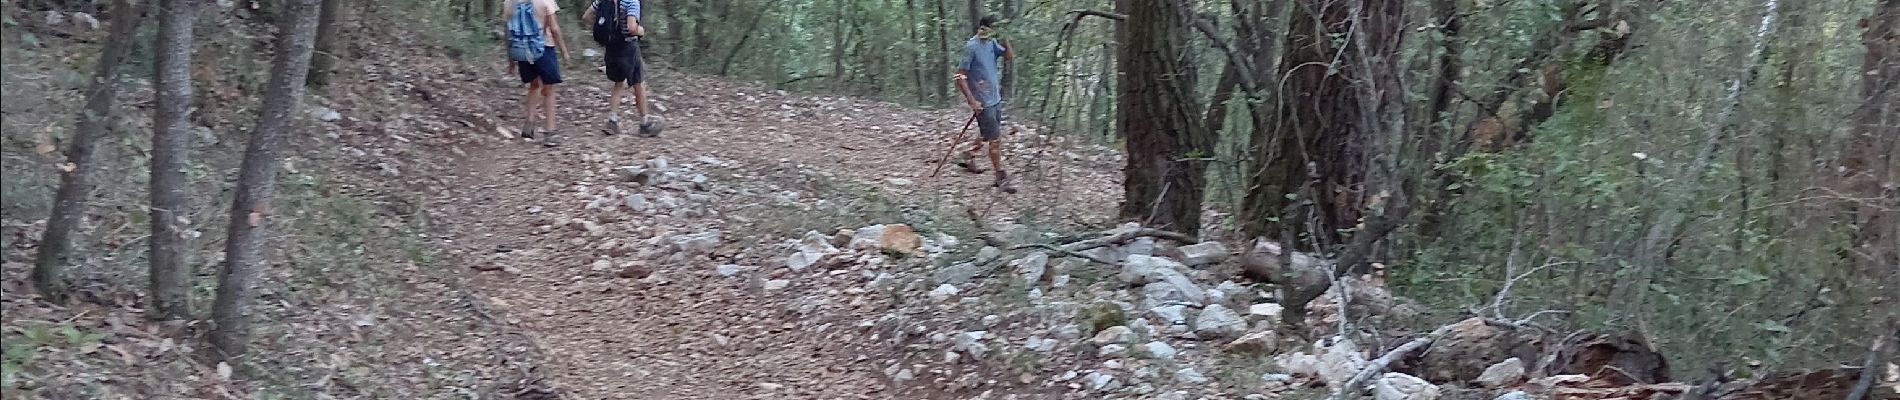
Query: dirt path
x=686, y=331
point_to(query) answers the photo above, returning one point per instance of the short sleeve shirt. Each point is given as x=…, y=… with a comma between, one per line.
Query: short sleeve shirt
x=979, y=67
x=632, y=7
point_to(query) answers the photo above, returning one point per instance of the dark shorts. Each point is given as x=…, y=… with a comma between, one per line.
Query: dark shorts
x=624, y=63
x=547, y=69
x=990, y=123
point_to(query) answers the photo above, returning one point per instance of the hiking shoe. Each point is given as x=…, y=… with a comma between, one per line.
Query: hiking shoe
x=967, y=161
x=527, y=130
x=550, y=139
x=613, y=126
x=650, y=126
x=1002, y=183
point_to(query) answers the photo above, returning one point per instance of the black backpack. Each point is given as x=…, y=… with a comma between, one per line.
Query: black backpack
x=610, y=23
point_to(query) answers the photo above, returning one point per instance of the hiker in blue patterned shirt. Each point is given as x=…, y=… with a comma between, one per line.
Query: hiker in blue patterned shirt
x=977, y=77
x=616, y=26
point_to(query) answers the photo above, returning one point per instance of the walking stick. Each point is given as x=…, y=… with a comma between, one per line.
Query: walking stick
x=954, y=141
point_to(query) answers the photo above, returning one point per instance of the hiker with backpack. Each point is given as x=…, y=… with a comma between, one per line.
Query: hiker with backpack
x=977, y=78
x=534, y=38
x=616, y=26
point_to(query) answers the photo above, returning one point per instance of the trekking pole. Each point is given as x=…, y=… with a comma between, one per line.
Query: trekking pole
x=954, y=141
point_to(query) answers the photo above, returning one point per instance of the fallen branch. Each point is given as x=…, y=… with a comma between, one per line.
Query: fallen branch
x=1078, y=14
x=1114, y=237
x=1379, y=365
x=1061, y=251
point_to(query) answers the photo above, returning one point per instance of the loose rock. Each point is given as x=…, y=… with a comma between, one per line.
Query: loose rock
x=1160, y=350
x=1397, y=386
x=1114, y=335
x=1504, y=373
x=1218, y=321
x=1203, y=253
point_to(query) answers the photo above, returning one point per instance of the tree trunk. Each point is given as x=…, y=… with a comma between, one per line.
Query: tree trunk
x=1167, y=146
x=976, y=14
x=917, y=50
x=75, y=186
x=1868, y=160
x=324, y=61
x=171, y=144
x=943, y=44
x=1007, y=82
x=1314, y=154
x=725, y=67
x=250, y=210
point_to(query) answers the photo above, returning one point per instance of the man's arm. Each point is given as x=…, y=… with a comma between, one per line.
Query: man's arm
x=963, y=86
x=587, y=17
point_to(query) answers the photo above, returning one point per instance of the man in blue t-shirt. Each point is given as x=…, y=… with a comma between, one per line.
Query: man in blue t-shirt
x=978, y=77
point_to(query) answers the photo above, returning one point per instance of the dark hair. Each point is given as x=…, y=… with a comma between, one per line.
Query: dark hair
x=988, y=21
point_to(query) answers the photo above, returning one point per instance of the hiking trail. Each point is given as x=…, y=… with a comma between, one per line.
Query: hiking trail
x=618, y=305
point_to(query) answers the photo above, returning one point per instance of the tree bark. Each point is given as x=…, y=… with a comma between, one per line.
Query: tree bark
x=725, y=67
x=943, y=44
x=916, y=51
x=1868, y=160
x=975, y=7
x=250, y=211
x=1165, y=177
x=171, y=146
x=1316, y=152
x=75, y=186
x=324, y=61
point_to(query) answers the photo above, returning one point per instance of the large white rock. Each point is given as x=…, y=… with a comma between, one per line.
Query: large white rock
x=1217, y=321
x=1162, y=293
x=944, y=292
x=1033, y=268
x=1508, y=372
x=1269, y=311
x=1114, y=335
x=1515, y=395
x=1160, y=350
x=970, y=343
x=1397, y=386
x=1339, y=362
x=1203, y=253
x=956, y=273
x=1140, y=269
x=1100, y=382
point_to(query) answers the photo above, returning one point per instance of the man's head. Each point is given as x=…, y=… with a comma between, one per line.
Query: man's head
x=986, y=26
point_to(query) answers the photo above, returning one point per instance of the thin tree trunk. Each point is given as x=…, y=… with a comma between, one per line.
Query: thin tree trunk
x=1656, y=243
x=1008, y=81
x=75, y=186
x=943, y=50
x=324, y=61
x=976, y=14
x=1868, y=160
x=1165, y=178
x=171, y=144
x=250, y=211
x=917, y=50
x=725, y=67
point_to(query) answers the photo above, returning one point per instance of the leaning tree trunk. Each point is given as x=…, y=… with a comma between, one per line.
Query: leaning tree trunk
x=1314, y=157
x=324, y=61
x=244, y=249
x=171, y=142
x=975, y=8
x=1868, y=161
x=1165, y=178
x=69, y=204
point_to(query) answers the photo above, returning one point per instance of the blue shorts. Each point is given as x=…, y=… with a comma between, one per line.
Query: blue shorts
x=989, y=124
x=547, y=69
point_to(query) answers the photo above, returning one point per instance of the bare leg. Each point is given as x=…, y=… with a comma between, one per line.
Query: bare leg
x=615, y=100
x=534, y=104
x=996, y=157
x=548, y=91
x=640, y=101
